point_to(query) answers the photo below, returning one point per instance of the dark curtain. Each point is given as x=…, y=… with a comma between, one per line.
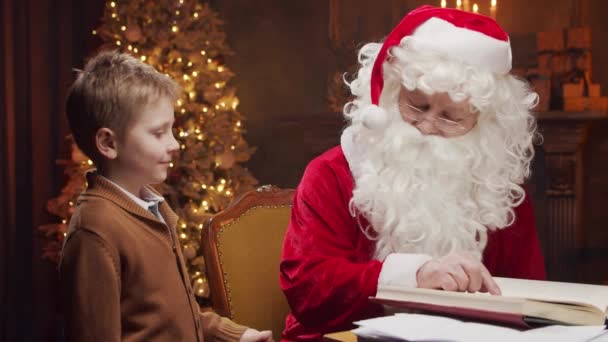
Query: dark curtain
x=41, y=41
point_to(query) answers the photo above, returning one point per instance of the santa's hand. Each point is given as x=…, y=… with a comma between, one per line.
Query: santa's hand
x=252, y=335
x=456, y=272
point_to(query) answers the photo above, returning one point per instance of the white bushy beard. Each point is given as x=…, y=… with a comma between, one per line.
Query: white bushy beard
x=429, y=194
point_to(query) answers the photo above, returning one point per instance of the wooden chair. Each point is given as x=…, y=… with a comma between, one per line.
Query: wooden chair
x=242, y=248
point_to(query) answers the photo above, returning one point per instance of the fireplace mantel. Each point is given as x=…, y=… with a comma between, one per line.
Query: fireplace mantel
x=564, y=138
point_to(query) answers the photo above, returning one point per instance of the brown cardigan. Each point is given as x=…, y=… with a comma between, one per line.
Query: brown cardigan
x=123, y=276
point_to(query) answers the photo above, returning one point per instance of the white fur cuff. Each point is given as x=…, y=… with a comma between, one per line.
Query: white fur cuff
x=399, y=269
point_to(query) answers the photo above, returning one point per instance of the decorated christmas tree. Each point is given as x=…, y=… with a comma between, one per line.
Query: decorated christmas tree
x=62, y=206
x=183, y=39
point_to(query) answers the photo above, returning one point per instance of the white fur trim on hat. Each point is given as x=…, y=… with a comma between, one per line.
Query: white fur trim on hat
x=465, y=45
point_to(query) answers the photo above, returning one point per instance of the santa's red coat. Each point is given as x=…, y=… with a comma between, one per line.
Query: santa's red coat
x=327, y=273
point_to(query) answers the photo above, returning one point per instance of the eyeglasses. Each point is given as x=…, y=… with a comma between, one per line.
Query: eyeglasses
x=416, y=115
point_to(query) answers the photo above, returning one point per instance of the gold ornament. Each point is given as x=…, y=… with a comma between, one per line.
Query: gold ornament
x=225, y=160
x=133, y=33
x=189, y=251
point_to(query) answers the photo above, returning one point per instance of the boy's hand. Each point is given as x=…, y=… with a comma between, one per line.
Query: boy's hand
x=252, y=335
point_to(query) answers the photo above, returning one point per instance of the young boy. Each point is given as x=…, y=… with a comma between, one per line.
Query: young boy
x=123, y=276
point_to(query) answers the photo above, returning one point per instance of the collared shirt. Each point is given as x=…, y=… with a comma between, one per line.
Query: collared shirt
x=148, y=199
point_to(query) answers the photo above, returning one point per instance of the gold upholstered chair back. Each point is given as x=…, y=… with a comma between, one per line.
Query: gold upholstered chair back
x=242, y=247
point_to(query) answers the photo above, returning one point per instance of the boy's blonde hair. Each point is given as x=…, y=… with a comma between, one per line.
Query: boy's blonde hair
x=110, y=90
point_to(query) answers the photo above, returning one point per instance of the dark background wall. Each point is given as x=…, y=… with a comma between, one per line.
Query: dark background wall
x=285, y=51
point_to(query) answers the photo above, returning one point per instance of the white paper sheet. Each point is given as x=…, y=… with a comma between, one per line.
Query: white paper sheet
x=417, y=327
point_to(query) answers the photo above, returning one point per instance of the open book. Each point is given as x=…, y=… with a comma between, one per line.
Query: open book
x=523, y=303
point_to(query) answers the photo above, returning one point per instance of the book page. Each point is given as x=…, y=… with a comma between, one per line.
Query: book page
x=481, y=301
x=417, y=327
x=595, y=295
x=561, y=333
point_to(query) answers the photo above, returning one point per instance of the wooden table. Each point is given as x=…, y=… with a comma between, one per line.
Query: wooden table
x=341, y=336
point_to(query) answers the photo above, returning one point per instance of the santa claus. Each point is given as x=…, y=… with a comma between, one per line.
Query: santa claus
x=425, y=189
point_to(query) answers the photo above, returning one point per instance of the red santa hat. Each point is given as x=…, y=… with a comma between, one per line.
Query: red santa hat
x=467, y=37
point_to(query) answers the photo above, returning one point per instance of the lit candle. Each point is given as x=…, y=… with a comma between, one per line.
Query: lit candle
x=459, y=4
x=493, y=9
x=475, y=8
x=443, y=3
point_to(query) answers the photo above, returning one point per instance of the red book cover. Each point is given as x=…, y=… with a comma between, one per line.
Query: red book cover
x=501, y=318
